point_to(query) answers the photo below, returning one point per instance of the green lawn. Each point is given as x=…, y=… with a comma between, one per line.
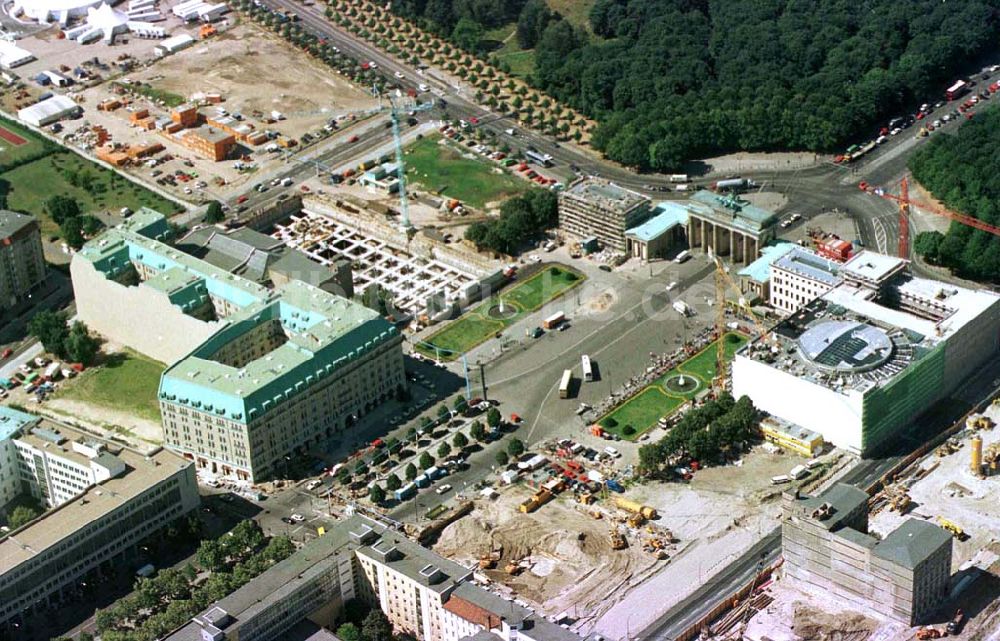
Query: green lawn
x=476, y=326
x=35, y=145
x=100, y=189
x=576, y=12
x=521, y=62
x=442, y=169
x=127, y=382
x=656, y=401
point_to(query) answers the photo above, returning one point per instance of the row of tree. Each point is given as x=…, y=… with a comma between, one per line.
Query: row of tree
x=521, y=218
x=162, y=603
x=963, y=172
x=706, y=434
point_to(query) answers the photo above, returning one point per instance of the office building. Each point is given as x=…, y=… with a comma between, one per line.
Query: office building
x=107, y=498
x=860, y=363
x=728, y=226
x=22, y=264
x=800, y=276
x=254, y=375
x=424, y=595
x=594, y=207
x=827, y=550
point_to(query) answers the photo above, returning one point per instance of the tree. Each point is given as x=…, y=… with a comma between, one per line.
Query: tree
x=80, y=345
x=444, y=450
x=928, y=245
x=376, y=494
x=516, y=447
x=211, y=556
x=411, y=471
x=443, y=412
x=90, y=225
x=477, y=431
x=214, y=213
x=534, y=17
x=468, y=34
x=62, y=208
x=493, y=417
x=71, y=229
x=349, y=632
x=21, y=515
x=502, y=459
x=460, y=440
x=460, y=404
x=50, y=329
x=426, y=460
x=376, y=627
x=392, y=483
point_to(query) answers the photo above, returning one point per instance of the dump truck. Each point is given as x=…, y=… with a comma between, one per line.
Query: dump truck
x=636, y=508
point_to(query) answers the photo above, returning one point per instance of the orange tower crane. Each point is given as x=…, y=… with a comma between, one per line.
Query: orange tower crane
x=905, y=204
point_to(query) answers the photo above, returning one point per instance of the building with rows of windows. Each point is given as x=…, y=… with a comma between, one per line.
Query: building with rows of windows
x=103, y=500
x=255, y=375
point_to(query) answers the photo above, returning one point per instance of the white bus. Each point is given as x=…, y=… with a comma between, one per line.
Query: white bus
x=544, y=160
x=567, y=379
x=588, y=370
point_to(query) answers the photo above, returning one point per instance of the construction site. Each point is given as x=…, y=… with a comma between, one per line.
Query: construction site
x=421, y=274
x=592, y=557
x=197, y=109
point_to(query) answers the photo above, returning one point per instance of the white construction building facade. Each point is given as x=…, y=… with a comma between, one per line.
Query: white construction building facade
x=862, y=361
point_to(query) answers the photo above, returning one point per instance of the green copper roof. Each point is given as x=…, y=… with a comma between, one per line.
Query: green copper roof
x=731, y=210
x=760, y=269
x=324, y=332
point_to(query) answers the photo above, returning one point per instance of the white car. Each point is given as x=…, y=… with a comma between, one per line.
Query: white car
x=443, y=489
x=399, y=75
x=671, y=285
x=313, y=484
x=297, y=518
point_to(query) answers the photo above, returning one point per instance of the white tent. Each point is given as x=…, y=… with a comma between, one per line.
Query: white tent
x=59, y=10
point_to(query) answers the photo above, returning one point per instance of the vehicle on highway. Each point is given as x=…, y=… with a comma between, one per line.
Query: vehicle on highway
x=6, y=353
x=671, y=285
x=353, y=138
x=313, y=484
x=399, y=75
x=297, y=518
x=423, y=87
x=443, y=489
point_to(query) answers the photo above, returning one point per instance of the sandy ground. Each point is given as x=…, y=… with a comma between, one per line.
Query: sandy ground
x=103, y=420
x=566, y=573
x=240, y=61
x=953, y=492
x=747, y=161
x=795, y=616
x=715, y=518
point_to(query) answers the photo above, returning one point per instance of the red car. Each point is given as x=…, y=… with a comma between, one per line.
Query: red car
x=352, y=139
x=242, y=199
x=863, y=186
x=6, y=353
x=474, y=121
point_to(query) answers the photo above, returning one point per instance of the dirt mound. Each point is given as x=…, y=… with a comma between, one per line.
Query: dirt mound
x=810, y=623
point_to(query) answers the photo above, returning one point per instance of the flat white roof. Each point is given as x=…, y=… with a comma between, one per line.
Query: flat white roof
x=54, y=106
x=964, y=305
x=176, y=41
x=870, y=266
x=11, y=55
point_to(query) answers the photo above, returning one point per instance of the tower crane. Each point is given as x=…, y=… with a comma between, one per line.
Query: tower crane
x=722, y=281
x=905, y=203
x=397, y=107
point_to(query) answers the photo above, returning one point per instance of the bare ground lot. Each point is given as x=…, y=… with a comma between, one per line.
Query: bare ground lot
x=256, y=70
x=721, y=513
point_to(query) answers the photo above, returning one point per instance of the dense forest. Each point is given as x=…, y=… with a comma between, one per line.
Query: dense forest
x=670, y=80
x=963, y=172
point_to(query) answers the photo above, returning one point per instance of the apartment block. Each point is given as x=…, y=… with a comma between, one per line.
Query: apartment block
x=22, y=265
x=91, y=529
x=598, y=208
x=827, y=549
x=425, y=596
